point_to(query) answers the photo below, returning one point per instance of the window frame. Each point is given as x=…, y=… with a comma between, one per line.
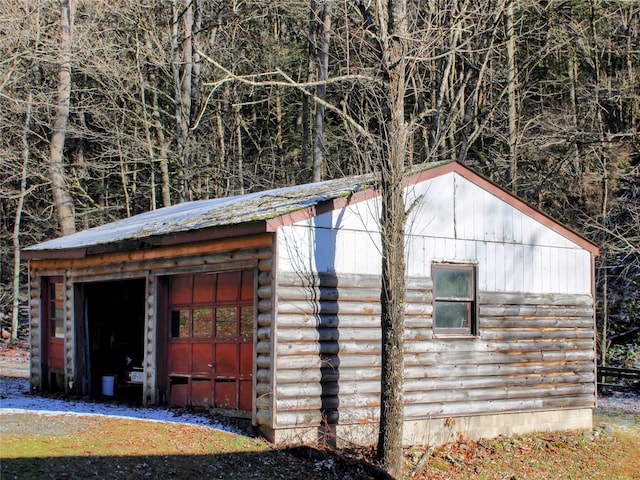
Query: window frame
x=471, y=330
x=186, y=301
x=53, y=304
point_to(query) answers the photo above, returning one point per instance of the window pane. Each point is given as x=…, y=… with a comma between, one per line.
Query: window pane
x=58, y=326
x=203, y=323
x=452, y=314
x=58, y=292
x=453, y=283
x=57, y=311
x=180, y=324
x=246, y=321
x=225, y=322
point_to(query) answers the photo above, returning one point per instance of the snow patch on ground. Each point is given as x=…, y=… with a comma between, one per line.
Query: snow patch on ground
x=627, y=402
x=15, y=398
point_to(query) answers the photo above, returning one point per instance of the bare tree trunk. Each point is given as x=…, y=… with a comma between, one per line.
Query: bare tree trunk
x=222, y=151
x=602, y=156
x=604, y=332
x=61, y=196
x=511, y=93
x=123, y=174
x=186, y=71
x=196, y=69
x=15, y=313
x=632, y=66
x=142, y=85
x=163, y=148
x=573, y=82
x=437, y=137
x=279, y=131
x=238, y=123
x=179, y=77
x=307, y=100
x=393, y=34
x=321, y=90
x=161, y=142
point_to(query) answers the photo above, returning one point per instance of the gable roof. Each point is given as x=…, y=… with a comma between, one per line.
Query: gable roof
x=256, y=213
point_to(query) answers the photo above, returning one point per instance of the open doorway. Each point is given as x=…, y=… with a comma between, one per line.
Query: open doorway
x=112, y=339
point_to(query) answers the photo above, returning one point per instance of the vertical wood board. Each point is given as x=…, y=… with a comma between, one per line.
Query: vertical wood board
x=513, y=251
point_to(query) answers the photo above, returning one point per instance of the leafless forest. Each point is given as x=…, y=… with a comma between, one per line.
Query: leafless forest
x=112, y=108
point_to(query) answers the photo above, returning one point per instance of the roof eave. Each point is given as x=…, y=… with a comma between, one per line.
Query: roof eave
x=149, y=242
x=213, y=233
x=54, y=254
x=272, y=224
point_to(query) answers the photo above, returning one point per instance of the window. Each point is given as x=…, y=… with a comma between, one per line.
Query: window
x=56, y=306
x=196, y=322
x=454, y=298
x=212, y=305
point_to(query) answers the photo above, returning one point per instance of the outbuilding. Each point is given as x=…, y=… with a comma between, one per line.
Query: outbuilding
x=266, y=305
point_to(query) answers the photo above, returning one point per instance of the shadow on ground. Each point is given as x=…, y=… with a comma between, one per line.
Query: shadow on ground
x=284, y=464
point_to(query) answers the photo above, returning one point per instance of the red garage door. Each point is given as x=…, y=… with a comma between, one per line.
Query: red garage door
x=211, y=340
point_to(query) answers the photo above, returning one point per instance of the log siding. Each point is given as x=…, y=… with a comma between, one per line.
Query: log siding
x=69, y=335
x=254, y=252
x=35, y=332
x=532, y=352
x=265, y=348
x=150, y=335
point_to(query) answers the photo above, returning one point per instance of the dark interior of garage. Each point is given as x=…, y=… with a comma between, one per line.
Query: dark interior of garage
x=115, y=334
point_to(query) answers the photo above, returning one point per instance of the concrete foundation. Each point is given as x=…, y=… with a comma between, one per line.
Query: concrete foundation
x=436, y=431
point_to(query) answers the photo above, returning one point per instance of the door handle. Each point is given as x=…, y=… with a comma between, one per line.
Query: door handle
x=211, y=365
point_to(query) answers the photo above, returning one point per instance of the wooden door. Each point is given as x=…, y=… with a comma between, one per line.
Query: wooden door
x=211, y=340
x=53, y=332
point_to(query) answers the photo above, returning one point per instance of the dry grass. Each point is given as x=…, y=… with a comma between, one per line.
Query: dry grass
x=610, y=454
x=71, y=446
x=81, y=447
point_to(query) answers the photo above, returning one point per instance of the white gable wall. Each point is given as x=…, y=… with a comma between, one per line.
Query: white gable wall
x=451, y=219
x=341, y=241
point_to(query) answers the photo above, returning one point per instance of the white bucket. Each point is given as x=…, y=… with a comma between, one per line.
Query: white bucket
x=108, y=381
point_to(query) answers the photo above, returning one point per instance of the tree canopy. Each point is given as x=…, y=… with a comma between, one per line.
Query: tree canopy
x=175, y=100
